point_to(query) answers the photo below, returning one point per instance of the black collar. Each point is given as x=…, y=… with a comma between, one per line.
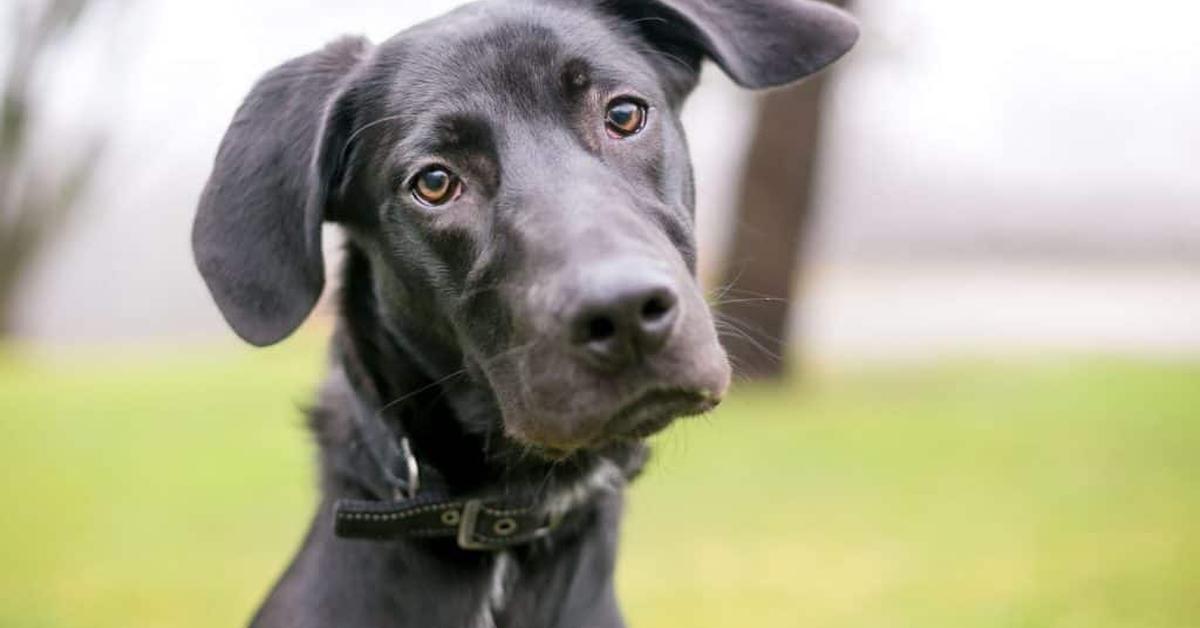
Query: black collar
x=409, y=504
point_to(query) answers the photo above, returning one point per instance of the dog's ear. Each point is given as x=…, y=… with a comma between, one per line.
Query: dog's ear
x=758, y=43
x=257, y=233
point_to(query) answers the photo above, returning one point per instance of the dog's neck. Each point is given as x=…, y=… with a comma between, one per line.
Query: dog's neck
x=339, y=581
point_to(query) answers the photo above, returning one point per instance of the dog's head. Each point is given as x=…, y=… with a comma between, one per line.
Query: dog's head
x=516, y=174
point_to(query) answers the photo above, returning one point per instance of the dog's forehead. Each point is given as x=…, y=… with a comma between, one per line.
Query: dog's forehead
x=508, y=51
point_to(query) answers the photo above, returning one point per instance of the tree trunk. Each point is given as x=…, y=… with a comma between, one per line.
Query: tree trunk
x=774, y=217
x=35, y=198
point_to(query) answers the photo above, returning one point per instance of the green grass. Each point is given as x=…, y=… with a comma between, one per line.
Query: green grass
x=153, y=490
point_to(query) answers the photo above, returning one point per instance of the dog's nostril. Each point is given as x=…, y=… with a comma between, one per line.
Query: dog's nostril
x=621, y=314
x=658, y=314
x=600, y=328
x=656, y=308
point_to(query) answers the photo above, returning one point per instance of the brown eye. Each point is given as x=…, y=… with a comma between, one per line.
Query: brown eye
x=436, y=186
x=625, y=118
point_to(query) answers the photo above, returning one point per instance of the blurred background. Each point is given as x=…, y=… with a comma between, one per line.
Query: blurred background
x=961, y=274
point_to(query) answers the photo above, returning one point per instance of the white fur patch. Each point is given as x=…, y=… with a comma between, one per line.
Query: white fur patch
x=605, y=478
x=503, y=574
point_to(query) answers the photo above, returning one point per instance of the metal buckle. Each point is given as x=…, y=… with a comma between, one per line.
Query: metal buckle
x=470, y=518
x=466, y=526
x=412, y=484
x=414, y=469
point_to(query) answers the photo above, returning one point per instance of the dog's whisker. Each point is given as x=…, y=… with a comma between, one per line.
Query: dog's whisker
x=475, y=292
x=728, y=287
x=745, y=292
x=488, y=361
x=758, y=300
x=668, y=56
x=395, y=402
x=727, y=325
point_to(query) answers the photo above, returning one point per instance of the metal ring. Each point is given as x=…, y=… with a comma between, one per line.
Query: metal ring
x=451, y=517
x=504, y=527
x=414, y=469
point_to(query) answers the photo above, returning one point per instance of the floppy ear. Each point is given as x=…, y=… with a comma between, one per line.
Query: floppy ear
x=257, y=233
x=758, y=43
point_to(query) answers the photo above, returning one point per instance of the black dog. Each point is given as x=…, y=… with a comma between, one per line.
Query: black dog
x=518, y=308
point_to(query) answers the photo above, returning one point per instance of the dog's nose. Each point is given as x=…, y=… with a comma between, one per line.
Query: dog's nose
x=623, y=315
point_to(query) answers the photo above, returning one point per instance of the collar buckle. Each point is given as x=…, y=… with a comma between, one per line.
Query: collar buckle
x=505, y=531
x=466, y=526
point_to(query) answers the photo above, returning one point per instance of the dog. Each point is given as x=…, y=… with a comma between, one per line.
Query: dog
x=518, y=307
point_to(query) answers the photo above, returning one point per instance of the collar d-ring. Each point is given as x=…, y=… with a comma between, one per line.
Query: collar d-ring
x=413, y=484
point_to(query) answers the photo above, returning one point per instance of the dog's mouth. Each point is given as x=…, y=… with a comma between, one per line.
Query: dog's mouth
x=648, y=414
x=553, y=404
x=653, y=411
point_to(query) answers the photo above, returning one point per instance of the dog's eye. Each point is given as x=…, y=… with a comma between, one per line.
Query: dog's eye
x=436, y=186
x=625, y=118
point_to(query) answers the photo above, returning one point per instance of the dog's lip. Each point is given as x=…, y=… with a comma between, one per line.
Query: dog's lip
x=655, y=409
x=649, y=413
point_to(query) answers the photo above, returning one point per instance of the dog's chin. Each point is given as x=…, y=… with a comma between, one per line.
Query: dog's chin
x=642, y=417
x=653, y=411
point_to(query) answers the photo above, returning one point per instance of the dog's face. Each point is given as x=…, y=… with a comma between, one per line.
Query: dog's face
x=517, y=176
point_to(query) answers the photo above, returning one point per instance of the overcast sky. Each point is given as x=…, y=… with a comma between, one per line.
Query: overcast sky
x=959, y=125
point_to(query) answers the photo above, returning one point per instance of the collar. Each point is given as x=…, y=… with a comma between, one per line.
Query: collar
x=403, y=508
x=475, y=524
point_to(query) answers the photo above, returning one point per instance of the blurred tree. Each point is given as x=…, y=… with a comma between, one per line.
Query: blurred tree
x=36, y=191
x=775, y=214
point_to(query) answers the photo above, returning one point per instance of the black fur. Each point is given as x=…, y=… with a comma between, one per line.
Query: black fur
x=456, y=322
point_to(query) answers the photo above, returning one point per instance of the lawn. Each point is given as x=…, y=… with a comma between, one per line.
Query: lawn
x=147, y=489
